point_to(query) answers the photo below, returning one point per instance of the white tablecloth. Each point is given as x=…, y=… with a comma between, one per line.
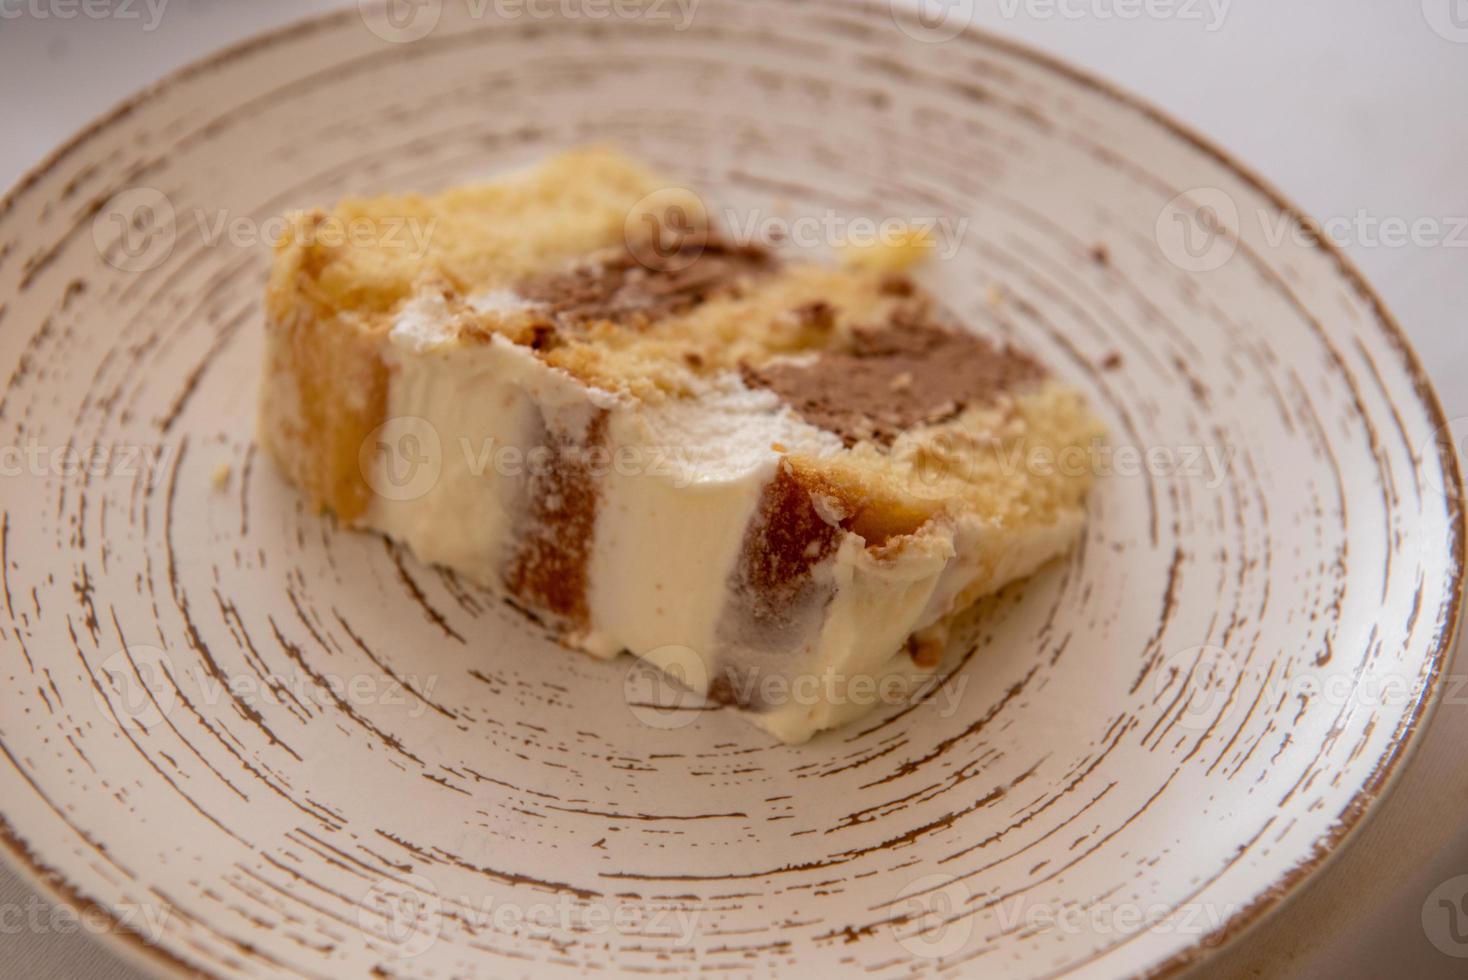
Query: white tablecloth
x=1354, y=108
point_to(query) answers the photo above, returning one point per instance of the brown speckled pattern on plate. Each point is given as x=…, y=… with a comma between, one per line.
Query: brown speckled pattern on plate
x=1178, y=720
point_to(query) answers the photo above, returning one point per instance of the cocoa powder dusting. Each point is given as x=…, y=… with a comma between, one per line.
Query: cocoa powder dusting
x=634, y=291
x=909, y=371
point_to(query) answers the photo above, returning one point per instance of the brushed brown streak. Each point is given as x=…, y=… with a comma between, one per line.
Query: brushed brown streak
x=122, y=640
x=974, y=728
x=93, y=910
x=972, y=111
x=416, y=593
x=1152, y=652
x=382, y=665
x=191, y=381
x=294, y=653
x=507, y=877
x=191, y=629
x=122, y=727
x=261, y=775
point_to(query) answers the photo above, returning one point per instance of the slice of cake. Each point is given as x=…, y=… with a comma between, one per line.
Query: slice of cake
x=778, y=481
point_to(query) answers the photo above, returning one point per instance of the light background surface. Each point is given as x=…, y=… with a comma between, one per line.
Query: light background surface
x=1353, y=108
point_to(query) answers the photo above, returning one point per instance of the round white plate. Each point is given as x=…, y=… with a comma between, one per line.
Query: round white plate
x=253, y=744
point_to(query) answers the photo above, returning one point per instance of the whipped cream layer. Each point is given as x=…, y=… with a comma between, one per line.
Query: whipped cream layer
x=677, y=530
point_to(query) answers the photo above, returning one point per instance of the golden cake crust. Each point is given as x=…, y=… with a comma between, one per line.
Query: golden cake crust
x=934, y=420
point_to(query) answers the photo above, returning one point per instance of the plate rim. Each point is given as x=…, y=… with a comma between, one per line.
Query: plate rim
x=138, y=950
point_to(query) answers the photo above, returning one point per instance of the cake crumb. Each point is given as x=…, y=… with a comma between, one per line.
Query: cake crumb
x=829, y=509
x=779, y=447
x=925, y=647
x=897, y=254
x=994, y=295
x=817, y=316
x=220, y=476
x=896, y=284
x=1111, y=361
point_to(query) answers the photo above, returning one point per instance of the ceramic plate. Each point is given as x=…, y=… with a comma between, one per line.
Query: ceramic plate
x=251, y=743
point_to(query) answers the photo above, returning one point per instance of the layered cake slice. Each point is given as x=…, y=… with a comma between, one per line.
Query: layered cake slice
x=779, y=481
